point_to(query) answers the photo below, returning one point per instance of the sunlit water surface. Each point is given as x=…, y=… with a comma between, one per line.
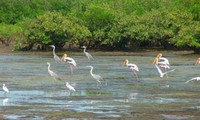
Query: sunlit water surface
x=34, y=94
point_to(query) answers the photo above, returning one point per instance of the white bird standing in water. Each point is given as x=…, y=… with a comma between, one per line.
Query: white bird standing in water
x=53, y=74
x=195, y=78
x=98, y=78
x=70, y=87
x=131, y=66
x=5, y=89
x=88, y=55
x=56, y=58
x=70, y=61
x=163, y=73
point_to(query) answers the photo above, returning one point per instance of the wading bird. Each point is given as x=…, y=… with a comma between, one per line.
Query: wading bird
x=5, y=89
x=70, y=61
x=98, y=78
x=88, y=55
x=56, y=58
x=160, y=60
x=197, y=61
x=195, y=78
x=53, y=74
x=70, y=87
x=163, y=73
x=131, y=66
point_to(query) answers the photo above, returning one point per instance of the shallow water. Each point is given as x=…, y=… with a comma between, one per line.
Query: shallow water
x=34, y=94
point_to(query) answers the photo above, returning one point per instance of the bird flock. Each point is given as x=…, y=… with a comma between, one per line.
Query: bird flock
x=161, y=64
x=68, y=60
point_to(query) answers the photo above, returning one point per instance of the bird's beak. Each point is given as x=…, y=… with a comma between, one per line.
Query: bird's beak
x=51, y=45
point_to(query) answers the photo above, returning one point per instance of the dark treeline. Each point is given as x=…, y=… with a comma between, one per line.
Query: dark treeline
x=110, y=24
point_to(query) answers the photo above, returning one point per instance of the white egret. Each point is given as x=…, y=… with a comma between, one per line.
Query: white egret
x=98, y=78
x=197, y=61
x=70, y=87
x=88, y=55
x=5, y=89
x=56, y=58
x=163, y=73
x=53, y=74
x=131, y=66
x=195, y=78
x=70, y=61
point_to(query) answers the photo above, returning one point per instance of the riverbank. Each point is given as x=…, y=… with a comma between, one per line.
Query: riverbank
x=8, y=50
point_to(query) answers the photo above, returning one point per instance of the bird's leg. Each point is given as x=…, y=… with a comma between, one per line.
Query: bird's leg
x=71, y=67
x=5, y=94
x=135, y=74
x=167, y=75
x=105, y=82
x=98, y=84
x=166, y=71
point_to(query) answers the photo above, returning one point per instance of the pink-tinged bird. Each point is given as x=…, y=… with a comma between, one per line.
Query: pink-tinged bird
x=131, y=66
x=70, y=61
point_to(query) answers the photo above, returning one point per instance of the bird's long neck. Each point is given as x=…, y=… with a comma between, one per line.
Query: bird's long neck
x=54, y=51
x=91, y=71
x=126, y=63
x=155, y=61
x=49, y=67
x=84, y=50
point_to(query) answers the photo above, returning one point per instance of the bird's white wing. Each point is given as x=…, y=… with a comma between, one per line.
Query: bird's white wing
x=168, y=71
x=165, y=66
x=195, y=78
x=70, y=87
x=133, y=67
x=71, y=61
x=57, y=59
x=53, y=74
x=162, y=63
x=89, y=56
x=165, y=60
x=5, y=89
x=159, y=70
x=68, y=59
x=97, y=77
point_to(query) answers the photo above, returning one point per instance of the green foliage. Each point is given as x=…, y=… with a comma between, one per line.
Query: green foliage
x=116, y=24
x=9, y=33
x=53, y=28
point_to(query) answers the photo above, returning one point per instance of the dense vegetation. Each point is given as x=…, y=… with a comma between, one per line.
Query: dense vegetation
x=111, y=24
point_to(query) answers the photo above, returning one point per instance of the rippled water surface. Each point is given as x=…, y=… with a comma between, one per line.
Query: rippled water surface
x=34, y=94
